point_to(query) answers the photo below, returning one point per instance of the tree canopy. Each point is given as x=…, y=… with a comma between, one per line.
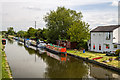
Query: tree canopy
x=65, y=24
x=31, y=32
x=21, y=33
x=79, y=31
x=10, y=31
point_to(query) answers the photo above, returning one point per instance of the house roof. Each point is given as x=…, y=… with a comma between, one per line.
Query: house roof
x=105, y=28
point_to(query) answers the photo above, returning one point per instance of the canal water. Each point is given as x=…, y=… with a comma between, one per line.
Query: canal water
x=28, y=63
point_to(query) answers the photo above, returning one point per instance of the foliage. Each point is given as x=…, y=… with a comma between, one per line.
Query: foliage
x=31, y=32
x=117, y=52
x=79, y=31
x=10, y=31
x=21, y=33
x=4, y=32
x=58, y=22
x=66, y=24
x=82, y=45
x=40, y=33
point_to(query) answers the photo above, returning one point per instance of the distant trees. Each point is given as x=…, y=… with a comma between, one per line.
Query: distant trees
x=31, y=32
x=21, y=33
x=10, y=31
x=41, y=34
x=3, y=32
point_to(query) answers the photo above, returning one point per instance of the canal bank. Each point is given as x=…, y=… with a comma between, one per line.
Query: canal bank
x=32, y=64
x=97, y=63
x=6, y=72
x=90, y=56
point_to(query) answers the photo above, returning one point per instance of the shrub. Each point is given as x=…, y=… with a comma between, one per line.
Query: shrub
x=82, y=45
x=117, y=52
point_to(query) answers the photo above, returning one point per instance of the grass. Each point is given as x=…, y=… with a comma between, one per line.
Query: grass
x=6, y=72
x=92, y=55
x=5, y=66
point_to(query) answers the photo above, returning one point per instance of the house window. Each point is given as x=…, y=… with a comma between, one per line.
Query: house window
x=107, y=46
x=89, y=44
x=94, y=46
x=108, y=36
x=114, y=38
x=99, y=46
x=115, y=46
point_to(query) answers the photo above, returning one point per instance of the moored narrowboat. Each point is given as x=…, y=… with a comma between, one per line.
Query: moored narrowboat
x=56, y=49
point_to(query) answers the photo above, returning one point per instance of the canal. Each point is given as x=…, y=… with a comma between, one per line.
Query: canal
x=28, y=63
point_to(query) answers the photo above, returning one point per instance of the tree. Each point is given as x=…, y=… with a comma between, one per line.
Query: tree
x=21, y=33
x=31, y=32
x=61, y=20
x=58, y=22
x=41, y=34
x=3, y=32
x=10, y=31
x=79, y=31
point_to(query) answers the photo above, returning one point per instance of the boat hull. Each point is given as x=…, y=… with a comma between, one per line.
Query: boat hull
x=56, y=52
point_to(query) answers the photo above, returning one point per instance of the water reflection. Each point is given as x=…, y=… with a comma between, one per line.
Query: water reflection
x=10, y=41
x=20, y=44
x=72, y=68
x=57, y=57
x=30, y=51
x=98, y=73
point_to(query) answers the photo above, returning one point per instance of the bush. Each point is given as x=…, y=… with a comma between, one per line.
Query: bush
x=82, y=45
x=117, y=52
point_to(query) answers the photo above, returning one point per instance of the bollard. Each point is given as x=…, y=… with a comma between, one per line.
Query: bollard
x=83, y=50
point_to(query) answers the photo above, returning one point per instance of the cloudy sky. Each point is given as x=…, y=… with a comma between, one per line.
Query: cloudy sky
x=21, y=14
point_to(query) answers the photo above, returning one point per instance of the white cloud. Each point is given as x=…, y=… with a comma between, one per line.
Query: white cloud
x=33, y=8
x=101, y=18
x=114, y=3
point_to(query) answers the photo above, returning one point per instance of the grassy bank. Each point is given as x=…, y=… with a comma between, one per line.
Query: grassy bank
x=6, y=72
x=92, y=55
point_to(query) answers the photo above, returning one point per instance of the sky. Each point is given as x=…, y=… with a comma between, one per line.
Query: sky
x=22, y=14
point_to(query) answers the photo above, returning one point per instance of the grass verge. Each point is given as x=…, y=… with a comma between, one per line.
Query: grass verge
x=6, y=72
x=92, y=55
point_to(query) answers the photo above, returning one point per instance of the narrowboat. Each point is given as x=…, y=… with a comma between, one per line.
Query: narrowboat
x=41, y=45
x=56, y=49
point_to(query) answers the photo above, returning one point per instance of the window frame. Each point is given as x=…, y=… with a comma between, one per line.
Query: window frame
x=93, y=46
x=107, y=45
x=116, y=46
x=99, y=46
x=108, y=36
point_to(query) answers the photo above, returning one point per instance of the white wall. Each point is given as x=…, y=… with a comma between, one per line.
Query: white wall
x=110, y=42
x=100, y=38
x=97, y=38
x=119, y=35
x=115, y=35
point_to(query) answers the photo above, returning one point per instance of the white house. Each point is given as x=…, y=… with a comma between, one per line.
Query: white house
x=104, y=38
